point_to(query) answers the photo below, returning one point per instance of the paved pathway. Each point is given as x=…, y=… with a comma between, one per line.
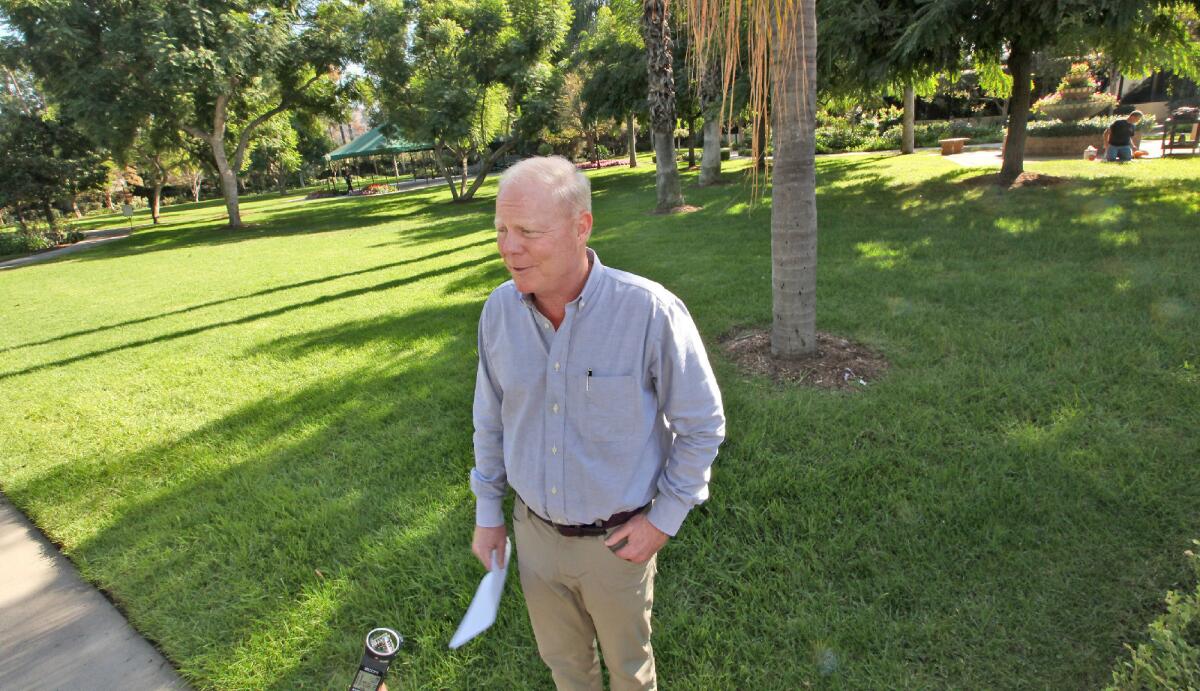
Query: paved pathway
x=93, y=238
x=58, y=632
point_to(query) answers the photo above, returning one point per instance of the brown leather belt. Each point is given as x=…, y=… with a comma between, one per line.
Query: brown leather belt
x=597, y=528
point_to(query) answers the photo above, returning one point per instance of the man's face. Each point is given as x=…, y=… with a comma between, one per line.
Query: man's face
x=1135, y=119
x=541, y=243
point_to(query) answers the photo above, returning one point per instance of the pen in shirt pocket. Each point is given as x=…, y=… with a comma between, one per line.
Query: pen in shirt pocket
x=588, y=385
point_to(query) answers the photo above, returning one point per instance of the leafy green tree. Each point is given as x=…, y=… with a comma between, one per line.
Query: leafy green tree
x=903, y=37
x=274, y=152
x=159, y=150
x=612, y=58
x=473, y=78
x=214, y=69
x=42, y=161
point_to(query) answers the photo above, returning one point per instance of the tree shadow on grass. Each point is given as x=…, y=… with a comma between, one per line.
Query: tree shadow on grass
x=260, y=548
x=249, y=318
x=255, y=294
x=302, y=218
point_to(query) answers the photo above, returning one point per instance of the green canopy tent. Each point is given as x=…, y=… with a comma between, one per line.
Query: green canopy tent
x=384, y=140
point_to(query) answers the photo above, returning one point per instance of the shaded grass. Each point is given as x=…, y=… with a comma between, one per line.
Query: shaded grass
x=258, y=441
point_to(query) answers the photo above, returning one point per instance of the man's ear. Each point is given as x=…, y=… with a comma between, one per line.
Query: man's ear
x=583, y=226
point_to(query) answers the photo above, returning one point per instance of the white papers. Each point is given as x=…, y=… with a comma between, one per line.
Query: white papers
x=482, y=612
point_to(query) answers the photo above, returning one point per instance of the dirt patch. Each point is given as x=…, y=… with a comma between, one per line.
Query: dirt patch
x=1023, y=180
x=837, y=363
x=685, y=209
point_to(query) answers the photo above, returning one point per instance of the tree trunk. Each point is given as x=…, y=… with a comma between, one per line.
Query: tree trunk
x=691, y=143
x=48, y=211
x=710, y=157
x=229, y=183
x=196, y=181
x=444, y=171
x=632, y=140
x=108, y=202
x=794, y=199
x=760, y=139
x=909, y=142
x=75, y=206
x=155, y=202
x=710, y=108
x=1019, y=63
x=486, y=166
x=656, y=31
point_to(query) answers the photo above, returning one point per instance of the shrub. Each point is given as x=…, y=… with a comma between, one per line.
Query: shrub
x=1079, y=128
x=31, y=238
x=724, y=154
x=1171, y=658
x=544, y=149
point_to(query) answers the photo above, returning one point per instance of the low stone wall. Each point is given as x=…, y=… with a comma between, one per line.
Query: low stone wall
x=1062, y=146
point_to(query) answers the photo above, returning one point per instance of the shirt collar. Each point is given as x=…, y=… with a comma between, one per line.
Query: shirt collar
x=590, y=289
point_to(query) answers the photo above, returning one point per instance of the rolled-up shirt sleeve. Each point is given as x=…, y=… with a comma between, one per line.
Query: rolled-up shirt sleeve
x=489, y=481
x=691, y=403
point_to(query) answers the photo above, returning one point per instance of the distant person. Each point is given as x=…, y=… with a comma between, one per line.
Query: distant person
x=1118, y=138
x=349, y=184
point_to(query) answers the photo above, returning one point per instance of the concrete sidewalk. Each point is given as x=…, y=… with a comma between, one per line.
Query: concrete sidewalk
x=91, y=239
x=58, y=632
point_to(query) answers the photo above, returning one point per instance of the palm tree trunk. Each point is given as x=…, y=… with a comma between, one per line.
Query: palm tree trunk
x=710, y=106
x=691, y=125
x=909, y=143
x=710, y=156
x=632, y=140
x=760, y=135
x=1020, y=61
x=794, y=198
x=657, y=34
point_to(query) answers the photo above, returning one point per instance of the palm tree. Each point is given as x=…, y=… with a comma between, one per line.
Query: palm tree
x=781, y=41
x=657, y=34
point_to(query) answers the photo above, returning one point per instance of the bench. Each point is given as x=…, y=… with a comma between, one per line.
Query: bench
x=953, y=145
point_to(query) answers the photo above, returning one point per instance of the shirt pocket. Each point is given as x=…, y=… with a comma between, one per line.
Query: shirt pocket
x=610, y=408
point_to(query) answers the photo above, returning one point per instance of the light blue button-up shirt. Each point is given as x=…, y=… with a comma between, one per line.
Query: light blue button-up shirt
x=615, y=409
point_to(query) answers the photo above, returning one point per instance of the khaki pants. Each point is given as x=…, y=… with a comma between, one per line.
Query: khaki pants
x=577, y=592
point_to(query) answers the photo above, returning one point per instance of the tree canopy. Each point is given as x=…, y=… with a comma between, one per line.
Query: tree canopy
x=213, y=69
x=467, y=75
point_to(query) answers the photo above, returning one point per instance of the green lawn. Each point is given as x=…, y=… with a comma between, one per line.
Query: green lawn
x=258, y=441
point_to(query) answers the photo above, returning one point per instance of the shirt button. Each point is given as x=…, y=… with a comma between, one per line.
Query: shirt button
x=555, y=408
x=553, y=490
x=554, y=450
x=583, y=303
x=545, y=325
x=556, y=367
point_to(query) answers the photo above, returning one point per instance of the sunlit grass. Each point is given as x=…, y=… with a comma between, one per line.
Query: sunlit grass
x=258, y=441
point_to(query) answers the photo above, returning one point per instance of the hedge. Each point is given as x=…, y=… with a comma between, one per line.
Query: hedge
x=1096, y=125
x=842, y=136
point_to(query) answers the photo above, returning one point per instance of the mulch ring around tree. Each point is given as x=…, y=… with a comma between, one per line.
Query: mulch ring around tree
x=1023, y=180
x=837, y=364
x=685, y=209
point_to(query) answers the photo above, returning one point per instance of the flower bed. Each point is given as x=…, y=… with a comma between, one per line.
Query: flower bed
x=602, y=163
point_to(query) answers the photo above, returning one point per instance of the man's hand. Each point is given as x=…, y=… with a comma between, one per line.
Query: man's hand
x=486, y=540
x=643, y=540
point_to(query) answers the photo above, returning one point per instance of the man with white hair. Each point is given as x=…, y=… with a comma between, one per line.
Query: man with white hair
x=595, y=402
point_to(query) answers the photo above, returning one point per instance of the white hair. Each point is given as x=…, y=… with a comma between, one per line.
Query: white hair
x=560, y=179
